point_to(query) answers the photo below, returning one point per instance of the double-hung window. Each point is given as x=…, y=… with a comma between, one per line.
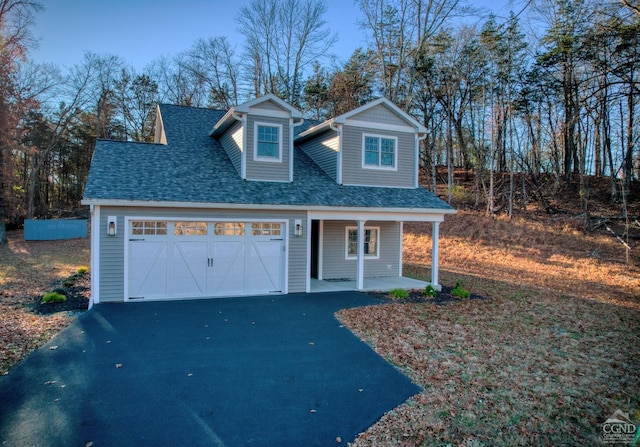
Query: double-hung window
x=371, y=242
x=268, y=142
x=379, y=152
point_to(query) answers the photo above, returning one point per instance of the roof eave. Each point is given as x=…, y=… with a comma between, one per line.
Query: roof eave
x=223, y=123
x=395, y=211
x=314, y=130
x=341, y=119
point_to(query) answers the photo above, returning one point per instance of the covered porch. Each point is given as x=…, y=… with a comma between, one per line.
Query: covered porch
x=339, y=254
x=382, y=284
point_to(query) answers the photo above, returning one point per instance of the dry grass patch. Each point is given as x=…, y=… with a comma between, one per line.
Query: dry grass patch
x=527, y=369
x=539, y=254
x=27, y=270
x=544, y=361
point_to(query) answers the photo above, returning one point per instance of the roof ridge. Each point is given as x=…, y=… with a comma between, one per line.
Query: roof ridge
x=191, y=107
x=109, y=140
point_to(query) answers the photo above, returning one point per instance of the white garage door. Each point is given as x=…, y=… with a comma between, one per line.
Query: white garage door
x=185, y=259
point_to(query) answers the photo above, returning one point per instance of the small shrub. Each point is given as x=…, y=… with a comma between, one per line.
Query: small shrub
x=399, y=294
x=460, y=291
x=53, y=297
x=430, y=291
x=82, y=270
x=60, y=290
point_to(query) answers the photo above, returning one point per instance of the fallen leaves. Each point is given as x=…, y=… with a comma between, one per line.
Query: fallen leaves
x=27, y=270
x=503, y=372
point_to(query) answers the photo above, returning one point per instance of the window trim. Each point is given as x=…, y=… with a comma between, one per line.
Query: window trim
x=257, y=157
x=147, y=227
x=379, y=166
x=366, y=256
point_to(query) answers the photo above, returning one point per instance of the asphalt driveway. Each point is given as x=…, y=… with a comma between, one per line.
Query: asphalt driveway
x=260, y=371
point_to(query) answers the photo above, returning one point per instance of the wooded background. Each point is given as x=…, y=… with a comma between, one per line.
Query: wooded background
x=546, y=95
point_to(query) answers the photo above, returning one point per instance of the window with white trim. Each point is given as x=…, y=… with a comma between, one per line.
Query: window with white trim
x=379, y=152
x=149, y=227
x=268, y=142
x=371, y=242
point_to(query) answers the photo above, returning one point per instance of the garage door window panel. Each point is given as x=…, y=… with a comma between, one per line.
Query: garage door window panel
x=265, y=229
x=190, y=229
x=148, y=228
x=228, y=229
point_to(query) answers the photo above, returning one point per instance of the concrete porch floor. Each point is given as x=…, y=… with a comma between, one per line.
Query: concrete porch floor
x=370, y=284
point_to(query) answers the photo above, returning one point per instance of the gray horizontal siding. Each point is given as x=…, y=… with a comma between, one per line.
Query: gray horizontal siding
x=112, y=248
x=379, y=114
x=334, y=264
x=267, y=170
x=111, y=258
x=354, y=174
x=323, y=150
x=232, y=143
x=268, y=105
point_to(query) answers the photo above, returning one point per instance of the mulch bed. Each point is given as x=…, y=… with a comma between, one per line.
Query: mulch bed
x=77, y=289
x=442, y=298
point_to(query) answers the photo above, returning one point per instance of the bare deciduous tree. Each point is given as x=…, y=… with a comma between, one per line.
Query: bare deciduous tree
x=283, y=39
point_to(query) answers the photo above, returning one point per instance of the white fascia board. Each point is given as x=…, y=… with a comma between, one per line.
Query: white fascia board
x=223, y=122
x=292, y=111
x=312, y=130
x=318, y=212
x=369, y=215
x=254, y=111
x=394, y=108
x=379, y=126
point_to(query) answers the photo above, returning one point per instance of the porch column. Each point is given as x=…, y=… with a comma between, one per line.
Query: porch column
x=360, y=261
x=435, y=235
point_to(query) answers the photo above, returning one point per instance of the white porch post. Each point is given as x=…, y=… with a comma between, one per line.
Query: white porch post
x=435, y=235
x=360, y=268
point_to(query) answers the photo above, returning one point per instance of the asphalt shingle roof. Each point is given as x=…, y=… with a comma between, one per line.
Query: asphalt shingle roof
x=193, y=167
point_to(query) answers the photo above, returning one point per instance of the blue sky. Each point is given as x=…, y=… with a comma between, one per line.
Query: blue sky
x=141, y=30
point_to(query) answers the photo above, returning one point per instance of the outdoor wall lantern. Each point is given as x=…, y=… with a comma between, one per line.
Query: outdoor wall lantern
x=298, y=228
x=112, y=224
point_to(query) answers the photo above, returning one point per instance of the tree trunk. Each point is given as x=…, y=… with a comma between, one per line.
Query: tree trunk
x=3, y=213
x=450, y=166
x=628, y=158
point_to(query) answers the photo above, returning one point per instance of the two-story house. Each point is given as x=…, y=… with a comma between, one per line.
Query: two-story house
x=256, y=201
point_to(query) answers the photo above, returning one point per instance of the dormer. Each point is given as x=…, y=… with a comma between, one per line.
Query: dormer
x=376, y=144
x=258, y=137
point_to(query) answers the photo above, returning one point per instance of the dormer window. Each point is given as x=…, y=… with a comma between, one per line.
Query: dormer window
x=379, y=152
x=268, y=142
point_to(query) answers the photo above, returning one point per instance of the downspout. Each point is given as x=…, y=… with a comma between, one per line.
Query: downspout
x=292, y=124
x=243, y=150
x=95, y=255
x=416, y=180
x=338, y=130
